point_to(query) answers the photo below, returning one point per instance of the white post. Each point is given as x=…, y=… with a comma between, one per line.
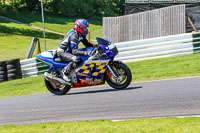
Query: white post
x=43, y=23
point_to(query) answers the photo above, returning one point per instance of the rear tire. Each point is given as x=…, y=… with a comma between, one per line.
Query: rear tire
x=52, y=89
x=126, y=81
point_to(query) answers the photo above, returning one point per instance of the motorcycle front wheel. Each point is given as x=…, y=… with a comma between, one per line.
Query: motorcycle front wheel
x=123, y=74
x=57, y=89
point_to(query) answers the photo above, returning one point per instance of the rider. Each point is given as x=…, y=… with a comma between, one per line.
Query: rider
x=68, y=48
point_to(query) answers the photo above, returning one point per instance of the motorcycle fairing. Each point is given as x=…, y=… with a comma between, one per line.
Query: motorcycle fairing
x=92, y=69
x=47, y=58
x=83, y=83
x=91, y=73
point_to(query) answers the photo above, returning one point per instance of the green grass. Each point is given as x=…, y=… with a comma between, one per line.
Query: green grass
x=15, y=40
x=56, y=23
x=173, y=67
x=161, y=125
x=25, y=86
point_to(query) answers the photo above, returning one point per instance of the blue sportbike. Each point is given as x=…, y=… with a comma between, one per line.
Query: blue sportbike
x=93, y=70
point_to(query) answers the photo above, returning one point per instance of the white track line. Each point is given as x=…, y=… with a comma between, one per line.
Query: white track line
x=158, y=117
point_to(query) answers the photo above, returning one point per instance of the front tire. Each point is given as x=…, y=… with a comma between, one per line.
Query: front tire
x=124, y=76
x=57, y=91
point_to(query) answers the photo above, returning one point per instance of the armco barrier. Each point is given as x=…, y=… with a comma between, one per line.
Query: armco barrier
x=160, y=47
x=10, y=70
x=132, y=51
x=31, y=67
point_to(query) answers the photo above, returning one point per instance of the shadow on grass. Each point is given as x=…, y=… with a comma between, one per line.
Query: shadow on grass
x=103, y=90
x=30, y=17
x=27, y=32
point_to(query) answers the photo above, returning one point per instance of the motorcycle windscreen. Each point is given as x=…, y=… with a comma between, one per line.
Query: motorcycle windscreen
x=103, y=41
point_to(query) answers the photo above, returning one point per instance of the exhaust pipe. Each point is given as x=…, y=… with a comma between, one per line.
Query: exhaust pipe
x=55, y=80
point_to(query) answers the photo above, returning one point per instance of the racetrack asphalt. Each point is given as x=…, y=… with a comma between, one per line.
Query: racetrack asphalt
x=175, y=97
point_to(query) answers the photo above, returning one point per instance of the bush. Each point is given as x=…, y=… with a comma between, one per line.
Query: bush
x=68, y=8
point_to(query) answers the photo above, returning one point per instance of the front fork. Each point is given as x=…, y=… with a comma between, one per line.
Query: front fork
x=110, y=68
x=112, y=72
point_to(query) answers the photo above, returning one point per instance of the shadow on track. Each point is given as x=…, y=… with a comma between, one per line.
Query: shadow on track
x=105, y=90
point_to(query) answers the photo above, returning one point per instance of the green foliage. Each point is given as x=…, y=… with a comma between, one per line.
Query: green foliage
x=109, y=7
x=32, y=4
x=68, y=8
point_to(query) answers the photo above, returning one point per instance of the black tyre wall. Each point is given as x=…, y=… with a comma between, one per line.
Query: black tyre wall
x=3, y=71
x=13, y=69
x=3, y=66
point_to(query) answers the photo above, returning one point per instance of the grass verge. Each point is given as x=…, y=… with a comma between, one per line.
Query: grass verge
x=56, y=23
x=165, y=68
x=20, y=87
x=161, y=125
x=173, y=67
x=15, y=40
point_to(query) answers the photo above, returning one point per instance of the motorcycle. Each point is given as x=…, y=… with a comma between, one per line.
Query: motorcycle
x=93, y=70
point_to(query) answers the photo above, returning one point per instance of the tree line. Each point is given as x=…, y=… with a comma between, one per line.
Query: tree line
x=67, y=8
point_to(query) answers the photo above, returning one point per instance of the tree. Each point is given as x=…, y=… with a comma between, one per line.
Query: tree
x=31, y=4
x=71, y=8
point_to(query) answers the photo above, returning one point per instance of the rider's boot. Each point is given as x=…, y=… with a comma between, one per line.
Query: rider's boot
x=66, y=72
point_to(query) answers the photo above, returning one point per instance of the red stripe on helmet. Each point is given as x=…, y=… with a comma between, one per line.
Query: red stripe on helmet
x=80, y=23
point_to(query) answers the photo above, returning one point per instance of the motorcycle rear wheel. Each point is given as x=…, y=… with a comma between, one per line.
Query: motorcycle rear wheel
x=124, y=74
x=56, y=91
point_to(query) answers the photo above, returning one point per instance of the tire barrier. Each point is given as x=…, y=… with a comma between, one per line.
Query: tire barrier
x=13, y=69
x=10, y=70
x=3, y=71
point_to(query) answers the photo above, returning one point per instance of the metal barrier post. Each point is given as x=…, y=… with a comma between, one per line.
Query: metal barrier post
x=31, y=48
x=38, y=46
